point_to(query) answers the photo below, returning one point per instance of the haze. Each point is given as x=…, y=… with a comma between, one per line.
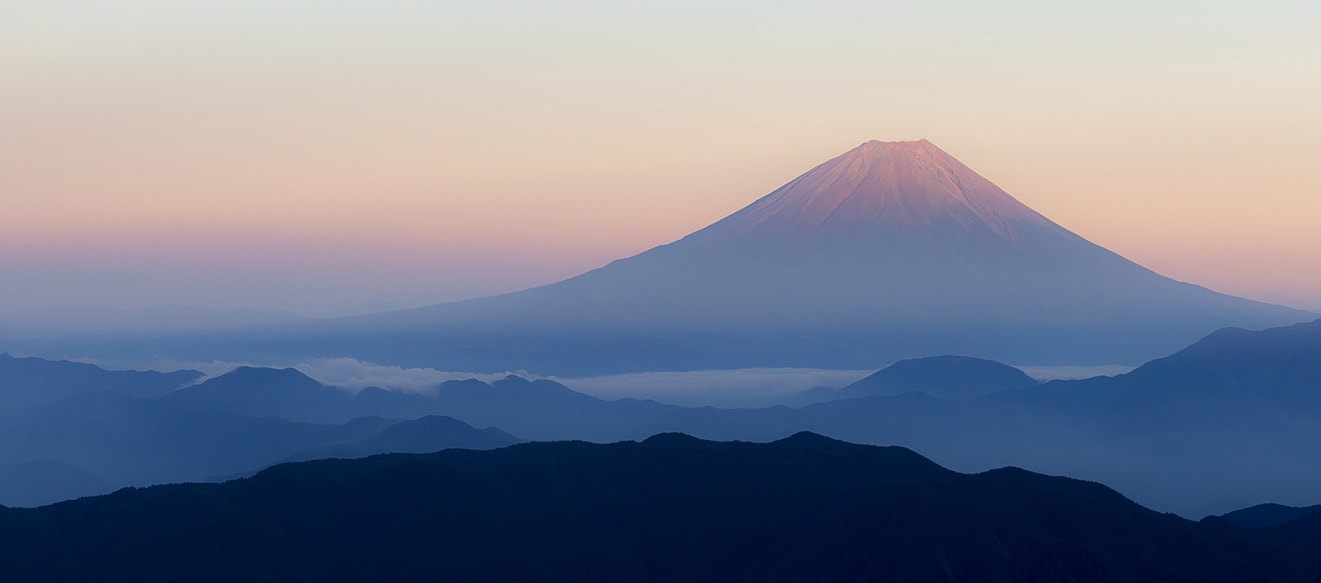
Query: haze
x=328, y=157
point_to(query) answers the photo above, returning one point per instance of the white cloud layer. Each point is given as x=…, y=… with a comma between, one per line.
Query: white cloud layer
x=754, y=387
x=751, y=387
x=355, y=375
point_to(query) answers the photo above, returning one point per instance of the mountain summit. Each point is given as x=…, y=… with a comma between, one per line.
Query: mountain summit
x=892, y=186
x=892, y=250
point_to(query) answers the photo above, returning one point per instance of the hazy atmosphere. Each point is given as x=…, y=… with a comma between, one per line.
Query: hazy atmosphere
x=332, y=158
x=577, y=291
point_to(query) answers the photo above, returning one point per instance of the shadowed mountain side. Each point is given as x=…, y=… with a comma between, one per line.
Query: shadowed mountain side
x=1268, y=515
x=1226, y=423
x=1173, y=434
x=889, y=251
x=1277, y=369
x=130, y=441
x=540, y=409
x=91, y=442
x=425, y=435
x=265, y=392
x=26, y=383
x=957, y=378
x=670, y=508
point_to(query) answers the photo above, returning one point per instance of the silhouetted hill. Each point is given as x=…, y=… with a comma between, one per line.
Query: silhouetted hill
x=1230, y=372
x=1267, y=515
x=957, y=378
x=671, y=508
x=131, y=441
x=1229, y=422
x=228, y=425
x=1278, y=363
x=546, y=409
x=428, y=434
x=26, y=383
x=254, y=391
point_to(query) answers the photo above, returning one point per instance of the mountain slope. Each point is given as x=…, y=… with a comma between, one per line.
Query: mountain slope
x=1268, y=515
x=956, y=378
x=889, y=251
x=424, y=435
x=1226, y=423
x=255, y=391
x=130, y=441
x=670, y=508
x=27, y=383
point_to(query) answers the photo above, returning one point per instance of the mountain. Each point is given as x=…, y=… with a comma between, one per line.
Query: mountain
x=26, y=383
x=1267, y=515
x=131, y=441
x=1229, y=421
x=424, y=435
x=1241, y=370
x=892, y=250
x=265, y=392
x=1279, y=363
x=91, y=444
x=956, y=378
x=671, y=508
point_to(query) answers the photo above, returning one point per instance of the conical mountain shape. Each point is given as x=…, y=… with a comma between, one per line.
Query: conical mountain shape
x=892, y=250
x=884, y=187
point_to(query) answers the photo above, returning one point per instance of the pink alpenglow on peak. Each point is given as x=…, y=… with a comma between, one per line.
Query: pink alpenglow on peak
x=886, y=185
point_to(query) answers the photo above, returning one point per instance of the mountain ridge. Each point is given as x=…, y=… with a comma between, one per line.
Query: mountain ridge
x=667, y=508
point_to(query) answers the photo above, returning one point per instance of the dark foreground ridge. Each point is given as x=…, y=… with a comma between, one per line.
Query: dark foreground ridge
x=671, y=508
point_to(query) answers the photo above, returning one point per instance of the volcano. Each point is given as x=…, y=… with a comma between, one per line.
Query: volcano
x=892, y=250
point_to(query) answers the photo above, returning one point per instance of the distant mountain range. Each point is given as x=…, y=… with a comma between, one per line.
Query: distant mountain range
x=671, y=508
x=27, y=383
x=1228, y=422
x=75, y=429
x=893, y=250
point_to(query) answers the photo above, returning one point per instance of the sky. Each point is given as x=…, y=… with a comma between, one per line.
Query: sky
x=332, y=157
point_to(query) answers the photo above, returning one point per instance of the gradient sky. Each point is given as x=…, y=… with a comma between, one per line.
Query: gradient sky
x=326, y=156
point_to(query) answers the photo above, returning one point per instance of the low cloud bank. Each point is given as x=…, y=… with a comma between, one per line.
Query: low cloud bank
x=355, y=375
x=751, y=387
x=754, y=387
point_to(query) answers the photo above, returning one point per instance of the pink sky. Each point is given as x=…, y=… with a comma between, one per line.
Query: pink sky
x=315, y=158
